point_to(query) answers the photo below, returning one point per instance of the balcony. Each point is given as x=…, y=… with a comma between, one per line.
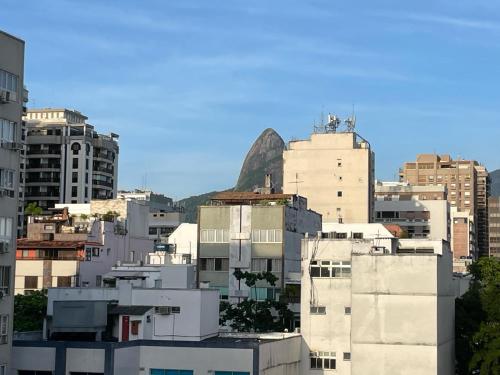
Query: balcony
x=32, y=152
x=37, y=194
x=104, y=170
x=44, y=166
x=54, y=180
x=102, y=183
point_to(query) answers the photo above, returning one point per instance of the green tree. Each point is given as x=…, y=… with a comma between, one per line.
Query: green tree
x=250, y=315
x=32, y=209
x=29, y=311
x=477, y=321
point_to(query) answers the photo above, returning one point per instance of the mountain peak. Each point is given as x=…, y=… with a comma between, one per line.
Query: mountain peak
x=265, y=156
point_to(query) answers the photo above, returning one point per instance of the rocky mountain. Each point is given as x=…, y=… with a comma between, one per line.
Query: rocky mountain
x=495, y=183
x=265, y=156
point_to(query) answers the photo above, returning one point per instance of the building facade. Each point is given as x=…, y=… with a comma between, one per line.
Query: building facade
x=11, y=110
x=255, y=233
x=467, y=184
x=67, y=161
x=421, y=211
x=376, y=305
x=80, y=243
x=335, y=172
x=494, y=226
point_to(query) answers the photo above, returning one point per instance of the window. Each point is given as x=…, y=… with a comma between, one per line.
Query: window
x=30, y=282
x=86, y=177
x=265, y=264
x=339, y=164
x=155, y=371
x=75, y=163
x=98, y=281
x=96, y=252
x=3, y=369
x=5, y=279
x=34, y=372
x=347, y=356
x=323, y=360
x=4, y=329
x=134, y=327
x=214, y=264
x=5, y=228
x=347, y=310
x=357, y=236
x=214, y=236
x=231, y=373
x=339, y=194
x=327, y=268
x=7, y=179
x=74, y=177
x=63, y=281
x=267, y=235
x=7, y=130
x=74, y=191
x=8, y=81
x=76, y=148
x=317, y=310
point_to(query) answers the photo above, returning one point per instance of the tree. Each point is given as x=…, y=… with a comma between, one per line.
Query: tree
x=251, y=315
x=32, y=209
x=29, y=311
x=477, y=321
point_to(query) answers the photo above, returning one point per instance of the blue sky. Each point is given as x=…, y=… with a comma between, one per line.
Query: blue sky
x=189, y=85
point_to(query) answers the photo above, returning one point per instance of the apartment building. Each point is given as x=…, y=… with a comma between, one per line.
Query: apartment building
x=79, y=243
x=12, y=97
x=67, y=161
x=494, y=226
x=134, y=328
x=334, y=170
x=467, y=183
x=252, y=232
x=376, y=305
x=164, y=217
x=181, y=247
x=421, y=211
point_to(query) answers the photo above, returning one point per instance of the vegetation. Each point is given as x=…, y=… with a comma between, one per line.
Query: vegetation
x=29, y=311
x=250, y=315
x=32, y=209
x=84, y=217
x=110, y=216
x=477, y=321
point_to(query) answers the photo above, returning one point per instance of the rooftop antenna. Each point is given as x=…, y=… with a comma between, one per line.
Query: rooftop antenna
x=351, y=121
x=333, y=123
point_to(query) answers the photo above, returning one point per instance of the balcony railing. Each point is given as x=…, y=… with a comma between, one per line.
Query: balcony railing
x=102, y=183
x=41, y=179
x=103, y=169
x=41, y=194
x=44, y=166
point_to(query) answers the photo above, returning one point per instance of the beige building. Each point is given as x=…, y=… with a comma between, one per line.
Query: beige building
x=494, y=226
x=421, y=211
x=467, y=183
x=334, y=171
x=376, y=305
x=67, y=161
x=11, y=110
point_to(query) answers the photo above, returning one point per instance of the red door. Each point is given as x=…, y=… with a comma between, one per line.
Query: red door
x=125, y=327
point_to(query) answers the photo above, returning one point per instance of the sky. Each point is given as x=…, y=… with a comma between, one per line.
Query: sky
x=189, y=85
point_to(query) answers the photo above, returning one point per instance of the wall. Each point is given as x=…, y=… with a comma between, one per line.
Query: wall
x=280, y=357
x=185, y=239
x=84, y=360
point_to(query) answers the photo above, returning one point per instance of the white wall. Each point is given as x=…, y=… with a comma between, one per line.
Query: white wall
x=84, y=360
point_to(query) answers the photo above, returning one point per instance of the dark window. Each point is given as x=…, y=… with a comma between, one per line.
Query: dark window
x=347, y=356
x=75, y=163
x=358, y=236
x=34, y=372
x=30, y=282
x=74, y=191
x=63, y=281
x=86, y=163
x=76, y=148
x=74, y=177
x=347, y=310
x=86, y=192
x=339, y=193
x=86, y=177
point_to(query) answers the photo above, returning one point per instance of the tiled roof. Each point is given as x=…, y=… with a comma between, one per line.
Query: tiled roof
x=24, y=243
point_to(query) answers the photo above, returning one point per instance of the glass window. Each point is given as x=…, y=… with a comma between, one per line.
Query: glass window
x=154, y=371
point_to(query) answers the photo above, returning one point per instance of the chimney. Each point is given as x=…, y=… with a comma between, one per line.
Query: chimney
x=268, y=184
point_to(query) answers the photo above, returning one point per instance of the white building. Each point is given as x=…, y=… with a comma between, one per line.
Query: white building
x=181, y=247
x=421, y=211
x=376, y=305
x=169, y=329
x=78, y=246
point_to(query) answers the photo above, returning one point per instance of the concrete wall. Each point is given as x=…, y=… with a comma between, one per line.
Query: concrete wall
x=280, y=357
x=314, y=163
x=84, y=360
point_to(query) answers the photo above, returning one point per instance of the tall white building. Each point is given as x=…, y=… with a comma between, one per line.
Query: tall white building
x=11, y=109
x=376, y=305
x=67, y=161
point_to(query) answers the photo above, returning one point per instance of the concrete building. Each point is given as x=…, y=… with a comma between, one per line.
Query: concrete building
x=467, y=183
x=376, y=305
x=11, y=110
x=67, y=160
x=334, y=171
x=494, y=226
x=132, y=329
x=164, y=217
x=252, y=232
x=180, y=249
x=80, y=243
x=421, y=211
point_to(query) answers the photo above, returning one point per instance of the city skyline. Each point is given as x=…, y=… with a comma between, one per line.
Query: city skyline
x=190, y=86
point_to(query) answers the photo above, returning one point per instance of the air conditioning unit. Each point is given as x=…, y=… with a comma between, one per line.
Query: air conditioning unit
x=4, y=247
x=163, y=310
x=4, y=96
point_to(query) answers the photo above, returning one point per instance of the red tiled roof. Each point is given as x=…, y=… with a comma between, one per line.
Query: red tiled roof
x=24, y=243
